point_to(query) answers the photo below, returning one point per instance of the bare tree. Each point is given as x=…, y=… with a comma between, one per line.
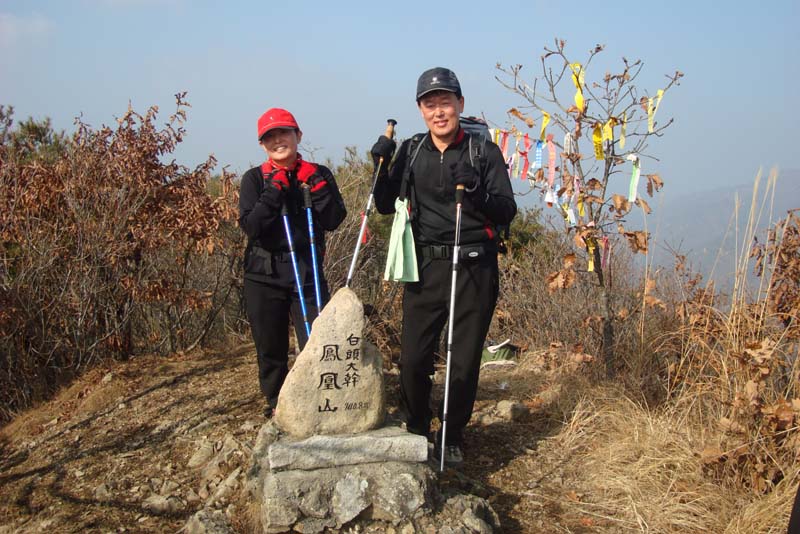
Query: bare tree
x=606, y=127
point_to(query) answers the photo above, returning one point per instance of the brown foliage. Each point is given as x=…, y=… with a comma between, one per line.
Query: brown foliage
x=107, y=250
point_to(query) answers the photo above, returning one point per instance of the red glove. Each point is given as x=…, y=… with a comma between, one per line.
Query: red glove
x=279, y=179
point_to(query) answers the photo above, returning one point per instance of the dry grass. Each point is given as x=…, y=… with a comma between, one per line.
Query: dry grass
x=644, y=472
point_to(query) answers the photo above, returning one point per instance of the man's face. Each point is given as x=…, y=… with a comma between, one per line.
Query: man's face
x=280, y=145
x=441, y=110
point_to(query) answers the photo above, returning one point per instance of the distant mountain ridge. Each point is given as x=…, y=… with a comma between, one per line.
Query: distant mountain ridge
x=704, y=225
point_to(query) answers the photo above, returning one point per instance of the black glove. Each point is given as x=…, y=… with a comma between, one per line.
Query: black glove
x=383, y=148
x=464, y=174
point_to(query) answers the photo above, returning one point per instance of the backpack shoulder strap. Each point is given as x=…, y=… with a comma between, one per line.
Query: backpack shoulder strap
x=411, y=156
x=477, y=153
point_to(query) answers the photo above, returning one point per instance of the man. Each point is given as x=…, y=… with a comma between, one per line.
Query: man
x=442, y=162
x=270, y=291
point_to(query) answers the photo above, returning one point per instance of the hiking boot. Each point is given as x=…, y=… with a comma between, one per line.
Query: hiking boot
x=452, y=454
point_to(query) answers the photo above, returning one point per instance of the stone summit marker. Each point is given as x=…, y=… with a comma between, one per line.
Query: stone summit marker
x=323, y=462
x=336, y=383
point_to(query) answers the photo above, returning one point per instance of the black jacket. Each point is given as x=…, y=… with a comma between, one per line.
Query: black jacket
x=260, y=218
x=432, y=193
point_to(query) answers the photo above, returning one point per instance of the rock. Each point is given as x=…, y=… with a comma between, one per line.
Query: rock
x=511, y=410
x=349, y=498
x=396, y=491
x=475, y=513
x=169, y=486
x=336, y=384
x=385, y=444
x=313, y=526
x=208, y=522
x=192, y=497
x=202, y=455
x=279, y=511
x=102, y=493
x=315, y=502
x=475, y=523
x=162, y=505
x=155, y=484
x=399, y=500
x=267, y=435
x=248, y=426
x=226, y=487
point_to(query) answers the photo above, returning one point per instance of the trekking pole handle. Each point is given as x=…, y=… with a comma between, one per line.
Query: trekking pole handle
x=306, y=195
x=391, y=123
x=459, y=193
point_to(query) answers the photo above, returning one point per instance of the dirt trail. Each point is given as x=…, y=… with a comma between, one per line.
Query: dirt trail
x=95, y=458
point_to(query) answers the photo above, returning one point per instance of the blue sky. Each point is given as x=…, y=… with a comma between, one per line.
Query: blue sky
x=343, y=68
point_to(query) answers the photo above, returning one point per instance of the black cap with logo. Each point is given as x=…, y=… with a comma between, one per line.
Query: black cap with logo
x=437, y=79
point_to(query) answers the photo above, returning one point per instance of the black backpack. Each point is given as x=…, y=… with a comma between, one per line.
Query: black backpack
x=479, y=135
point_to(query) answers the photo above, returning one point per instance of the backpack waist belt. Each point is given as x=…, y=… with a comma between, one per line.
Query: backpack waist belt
x=472, y=251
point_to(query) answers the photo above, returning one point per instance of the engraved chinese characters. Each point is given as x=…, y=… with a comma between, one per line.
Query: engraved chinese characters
x=336, y=384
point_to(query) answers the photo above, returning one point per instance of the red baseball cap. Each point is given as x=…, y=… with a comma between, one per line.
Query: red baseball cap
x=275, y=118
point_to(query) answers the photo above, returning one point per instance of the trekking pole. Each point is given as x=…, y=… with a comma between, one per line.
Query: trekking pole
x=456, y=239
x=285, y=215
x=390, y=134
x=307, y=204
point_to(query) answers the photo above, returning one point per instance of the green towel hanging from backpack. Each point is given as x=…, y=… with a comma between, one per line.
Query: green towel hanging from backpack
x=401, y=260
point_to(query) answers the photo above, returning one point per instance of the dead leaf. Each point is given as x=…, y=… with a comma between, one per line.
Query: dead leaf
x=593, y=185
x=728, y=425
x=653, y=182
x=621, y=204
x=642, y=203
x=653, y=302
x=638, y=241
x=589, y=319
x=649, y=286
x=751, y=392
x=712, y=455
x=569, y=260
x=563, y=279
x=521, y=116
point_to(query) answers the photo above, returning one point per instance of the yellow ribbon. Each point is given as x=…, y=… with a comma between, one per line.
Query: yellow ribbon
x=578, y=80
x=608, y=129
x=652, y=108
x=590, y=245
x=545, y=122
x=622, y=133
x=597, y=139
x=581, y=210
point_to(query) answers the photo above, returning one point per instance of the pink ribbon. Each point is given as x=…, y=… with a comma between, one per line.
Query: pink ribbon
x=551, y=161
x=524, y=154
x=504, y=145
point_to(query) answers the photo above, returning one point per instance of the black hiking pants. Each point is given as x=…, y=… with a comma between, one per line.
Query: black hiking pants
x=426, y=307
x=269, y=308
